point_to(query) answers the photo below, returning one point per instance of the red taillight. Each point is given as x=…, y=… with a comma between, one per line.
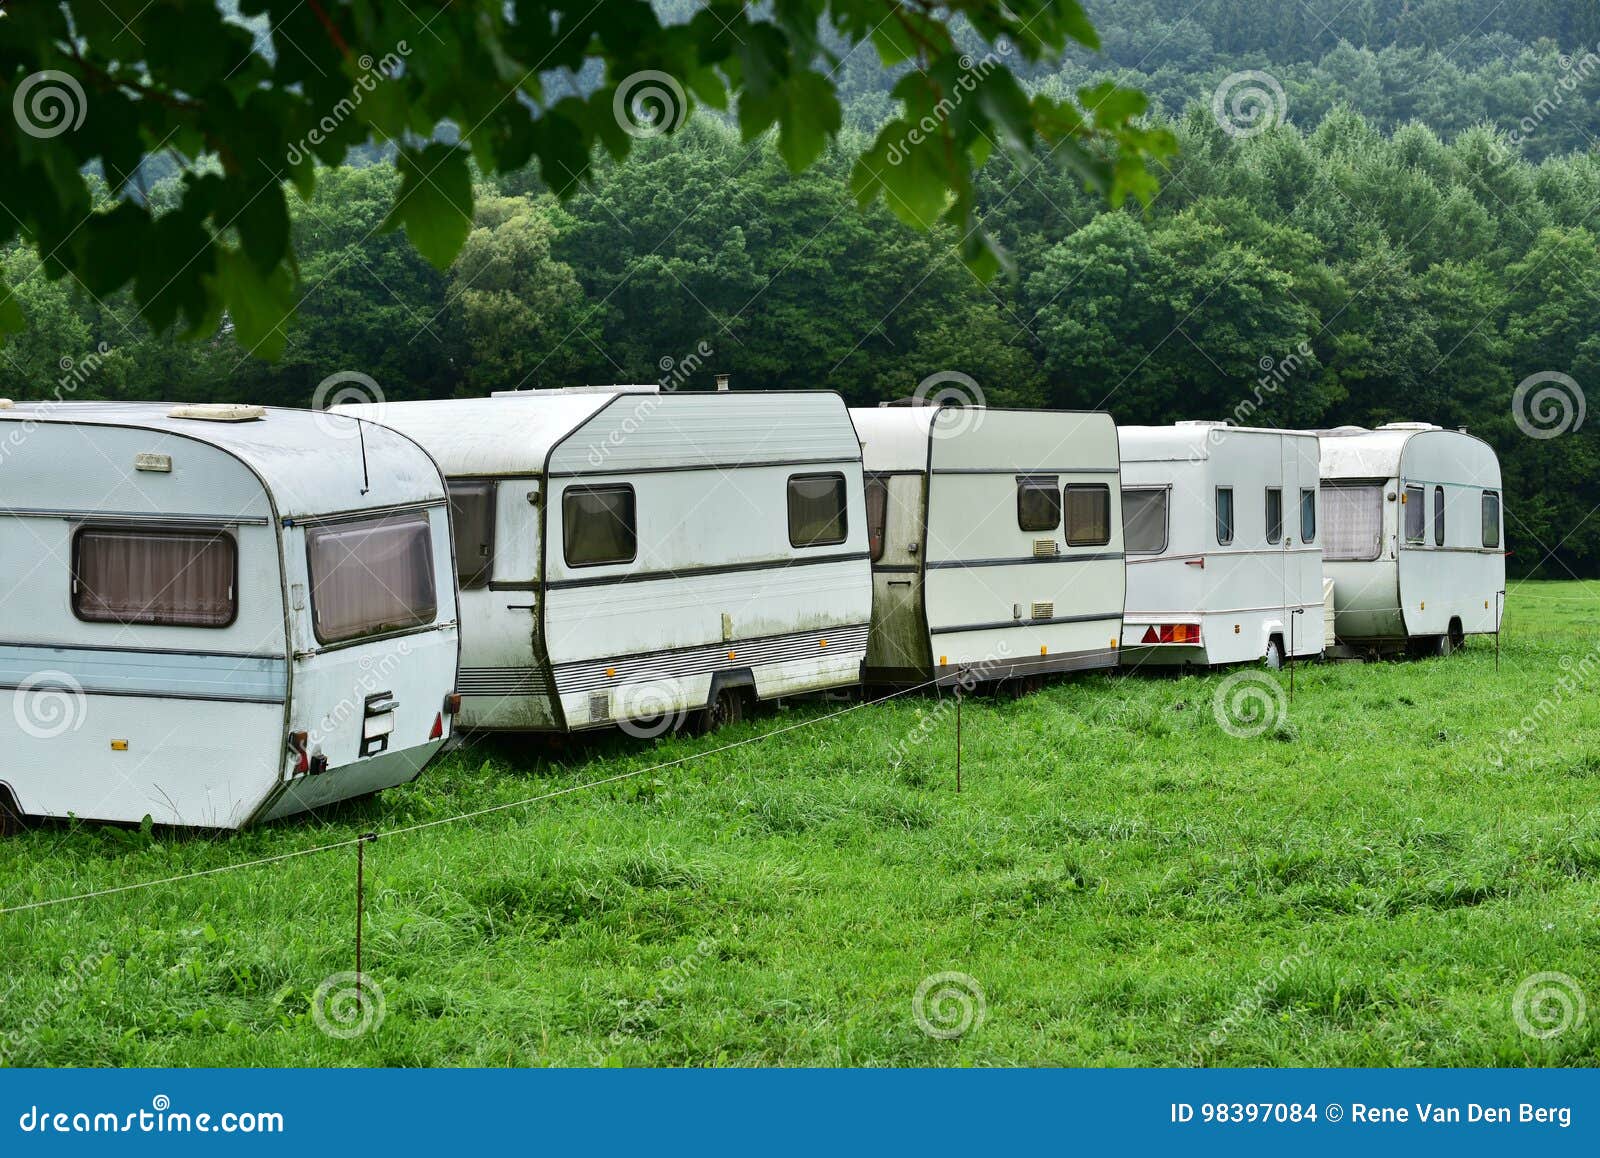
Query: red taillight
x=297, y=745
x=1172, y=633
x=1150, y=636
x=438, y=727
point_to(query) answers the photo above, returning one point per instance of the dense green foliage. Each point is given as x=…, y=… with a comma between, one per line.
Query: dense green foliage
x=1370, y=883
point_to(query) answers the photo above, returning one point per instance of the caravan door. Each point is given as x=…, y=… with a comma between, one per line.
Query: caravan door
x=499, y=566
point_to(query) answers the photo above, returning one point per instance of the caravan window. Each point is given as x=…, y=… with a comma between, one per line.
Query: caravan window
x=877, y=514
x=1088, y=514
x=816, y=510
x=1438, y=516
x=598, y=525
x=1038, y=502
x=170, y=578
x=371, y=576
x=1355, y=523
x=1144, y=521
x=1416, y=516
x=472, y=524
x=1491, y=519
x=1224, y=515
x=1274, y=515
x=1308, y=515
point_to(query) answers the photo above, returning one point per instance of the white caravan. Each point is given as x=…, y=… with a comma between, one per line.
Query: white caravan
x=996, y=542
x=217, y=615
x=1414, y=536
x=1224, y=556
x=628, y=556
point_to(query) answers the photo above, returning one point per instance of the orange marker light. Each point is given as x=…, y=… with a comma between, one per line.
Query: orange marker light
x=730, y=655
x=611, y=672
x=823, y=643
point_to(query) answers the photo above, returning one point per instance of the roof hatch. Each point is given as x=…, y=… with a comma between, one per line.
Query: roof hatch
x=219, y=412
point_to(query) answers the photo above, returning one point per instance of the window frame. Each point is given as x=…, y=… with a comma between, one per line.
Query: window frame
x=1066, y=530
x=1499, y=516
x=566, y=522
x=1233, y=520
x=844, y=508
x=1420, y=494
x=491, y=489
x=1165, y=492
x=1308, y=493
x=1274, y=540
x=1378, y=490
x=129, y=530
x=1438, y=516
x=877, y=482
x=313, y=528
x=1041, y=484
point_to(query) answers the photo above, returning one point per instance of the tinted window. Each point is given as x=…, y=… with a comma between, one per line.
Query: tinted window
x=1491, y=519
x=371, y=576
x=877, y=514
x=598, y=525
x=1355, y=522
x=1038, y=502
x=1308, y=515
x=171, y=578
x=1224, y=515
x=1274, y=514
x=1438, y=516
x=1416, y=516
x=816, y=510
x=472, y=524
x=1144, y=521
x=1088, y=514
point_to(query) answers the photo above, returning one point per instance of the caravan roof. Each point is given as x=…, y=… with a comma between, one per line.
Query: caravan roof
x=1186, y=441
x=1352, y=452
x=292, y=452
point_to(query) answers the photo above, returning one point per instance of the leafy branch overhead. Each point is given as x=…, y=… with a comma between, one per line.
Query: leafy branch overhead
x=103, y=85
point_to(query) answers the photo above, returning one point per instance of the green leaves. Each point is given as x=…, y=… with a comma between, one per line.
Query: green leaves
x=434, y=204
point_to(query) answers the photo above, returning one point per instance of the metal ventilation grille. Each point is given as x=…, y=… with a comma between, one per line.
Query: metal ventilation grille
x=1045, y=548
x=1044, y=611
x=599, y=706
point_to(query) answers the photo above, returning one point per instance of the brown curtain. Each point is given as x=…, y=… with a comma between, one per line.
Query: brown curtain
x=371, y=576
x=1088, y=516
x=176, y=578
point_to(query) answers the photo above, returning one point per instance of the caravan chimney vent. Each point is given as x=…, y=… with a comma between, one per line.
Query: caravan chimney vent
x=722, y=383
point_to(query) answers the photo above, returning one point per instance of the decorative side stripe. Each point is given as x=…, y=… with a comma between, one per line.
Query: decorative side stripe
x=176, y=675
x=590, y=675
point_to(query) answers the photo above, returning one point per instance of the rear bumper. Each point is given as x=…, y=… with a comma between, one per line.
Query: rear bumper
x=307, y=793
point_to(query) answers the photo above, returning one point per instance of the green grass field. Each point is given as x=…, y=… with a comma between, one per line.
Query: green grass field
x=1367, y=883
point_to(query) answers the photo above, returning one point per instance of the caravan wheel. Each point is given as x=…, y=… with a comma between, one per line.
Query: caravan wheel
x=10, y=815
x=1453, y=640
x=727, y=708
x=1274, y=656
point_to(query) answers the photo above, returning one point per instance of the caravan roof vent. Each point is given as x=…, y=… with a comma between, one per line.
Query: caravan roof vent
x=219, y=412
x=1408, y=426
x=1200, y=422
x=6, y=404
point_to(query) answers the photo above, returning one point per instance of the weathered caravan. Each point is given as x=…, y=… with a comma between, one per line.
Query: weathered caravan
x=1413, y=536
x=216, y=615
x=1224, y=558
x=996, y=542
x=628, y=556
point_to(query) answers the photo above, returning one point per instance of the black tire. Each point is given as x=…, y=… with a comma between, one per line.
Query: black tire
x=726, y=708
x=11, y=819
x=1273, y=660
x=1453, y=640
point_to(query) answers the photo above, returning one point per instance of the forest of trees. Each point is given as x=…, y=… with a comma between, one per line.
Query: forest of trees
x=1389, y=252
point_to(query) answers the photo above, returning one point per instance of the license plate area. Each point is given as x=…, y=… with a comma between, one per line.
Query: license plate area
x=377, y=722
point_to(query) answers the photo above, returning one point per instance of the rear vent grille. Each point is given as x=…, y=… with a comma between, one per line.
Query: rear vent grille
x=599, y=706
x=1044, y=611
x=1046, y=548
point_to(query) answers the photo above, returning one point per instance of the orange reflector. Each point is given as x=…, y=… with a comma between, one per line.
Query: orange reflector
x=1044, y=651
x=823, y=643
x=119, y=745
x=730, y=655
x=611, y=672
x=1113, y=642
x=944, y=661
